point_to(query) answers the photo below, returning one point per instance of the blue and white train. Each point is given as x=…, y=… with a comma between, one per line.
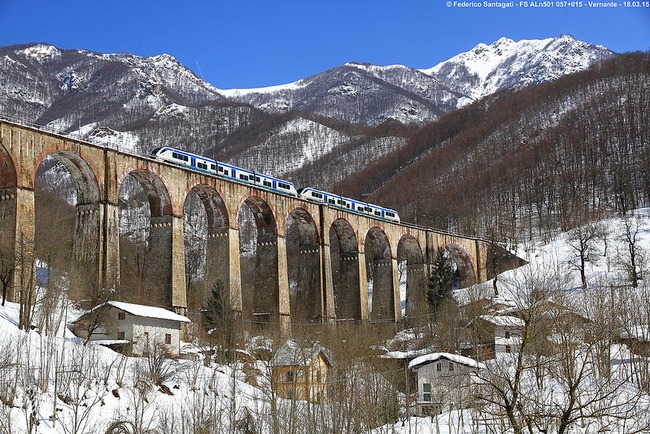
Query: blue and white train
x=212, y=167
x=348, y=204
x=228, y=171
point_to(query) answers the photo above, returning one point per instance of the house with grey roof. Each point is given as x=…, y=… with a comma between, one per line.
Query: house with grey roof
x=301, y=372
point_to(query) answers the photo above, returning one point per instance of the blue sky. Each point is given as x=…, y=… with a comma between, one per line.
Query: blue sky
x=253, y=43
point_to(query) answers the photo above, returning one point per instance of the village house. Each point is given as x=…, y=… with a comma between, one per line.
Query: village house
x=131, y=328
x=300, y=373
x=490, y=335
x=444, y=380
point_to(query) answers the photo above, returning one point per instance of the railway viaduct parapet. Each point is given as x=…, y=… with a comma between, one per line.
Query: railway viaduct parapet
x=289, y=260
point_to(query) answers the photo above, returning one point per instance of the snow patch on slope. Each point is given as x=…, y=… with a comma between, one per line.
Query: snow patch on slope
x=297, y=142
x=41, y=52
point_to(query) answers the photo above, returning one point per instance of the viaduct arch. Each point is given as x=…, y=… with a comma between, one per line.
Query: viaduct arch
x=282, y=259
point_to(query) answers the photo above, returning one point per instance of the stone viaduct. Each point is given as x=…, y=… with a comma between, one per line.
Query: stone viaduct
x=309, y=263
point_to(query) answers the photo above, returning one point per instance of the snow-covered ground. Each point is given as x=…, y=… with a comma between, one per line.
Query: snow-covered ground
x=91, y=387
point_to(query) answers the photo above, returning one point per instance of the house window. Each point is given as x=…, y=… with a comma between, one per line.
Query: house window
x=283, y=376
x=121, y=315
x=438, y=367
x=451, y=366
x=508, y=349
x=426, y=392
x=507, y=334
x=168, y=338
x=289, y=375
x=120, y=335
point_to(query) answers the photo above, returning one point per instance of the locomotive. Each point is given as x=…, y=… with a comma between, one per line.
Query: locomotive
x=276, y=185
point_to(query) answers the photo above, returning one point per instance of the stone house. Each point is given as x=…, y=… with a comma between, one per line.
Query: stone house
x=300, y=373
x=131, y=328
x=444, y=380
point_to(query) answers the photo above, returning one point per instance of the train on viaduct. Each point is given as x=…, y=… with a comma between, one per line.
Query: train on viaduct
x=309, y=262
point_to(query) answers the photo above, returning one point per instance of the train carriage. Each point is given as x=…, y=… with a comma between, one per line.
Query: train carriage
x=228, y=171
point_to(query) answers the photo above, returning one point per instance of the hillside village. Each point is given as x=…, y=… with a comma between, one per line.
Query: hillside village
x=544, y=353
x=554, y=171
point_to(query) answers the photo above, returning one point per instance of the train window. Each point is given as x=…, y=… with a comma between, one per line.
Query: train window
x=220, y=169
x=179, y=156
x=243, y=177
x=377, y=213
x=284, y=186
x=202, y=165
x=258, y=179
x=390, y=214
x=332, y=201
x=213, y=166
x=316, y=195
x=268, y=184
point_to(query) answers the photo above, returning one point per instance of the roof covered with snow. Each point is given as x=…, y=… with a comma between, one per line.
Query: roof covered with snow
x=142, y=310
x=503, y=320
x=291, y=354
x=638, y=332
x=430, y=358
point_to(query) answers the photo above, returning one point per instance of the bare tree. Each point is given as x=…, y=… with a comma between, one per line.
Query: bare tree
x=631, y=226
x=78, y=390
x=509, y=381
x=7, y=268
x=567, y=346
x=27, y=294
x=582, y=241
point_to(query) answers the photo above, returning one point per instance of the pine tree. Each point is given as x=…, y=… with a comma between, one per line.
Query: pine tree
x=218, y=320
x=440, y=281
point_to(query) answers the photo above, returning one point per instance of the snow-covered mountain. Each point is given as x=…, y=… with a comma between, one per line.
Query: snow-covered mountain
x=62, y=87
x=508, y=64
x=370, y=94
x=137, y=103
x=80, y=90
x=359, y=94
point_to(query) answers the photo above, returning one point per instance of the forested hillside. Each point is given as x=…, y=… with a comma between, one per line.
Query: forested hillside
x=525, y=163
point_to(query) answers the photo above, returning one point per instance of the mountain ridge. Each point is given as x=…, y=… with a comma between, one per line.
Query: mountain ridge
x=344, y=118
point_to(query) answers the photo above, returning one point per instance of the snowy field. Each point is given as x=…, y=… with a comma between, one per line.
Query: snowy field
x=90, y=388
